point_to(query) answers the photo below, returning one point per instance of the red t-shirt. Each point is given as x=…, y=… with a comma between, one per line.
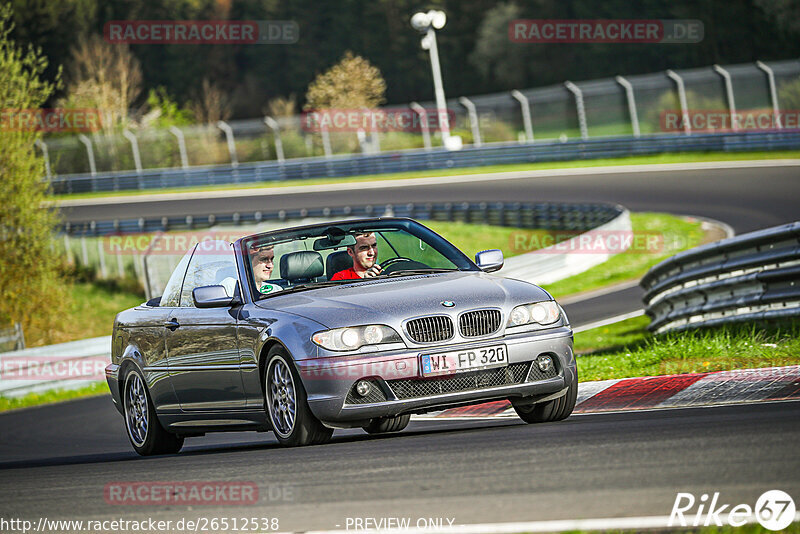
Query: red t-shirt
x=347, y=274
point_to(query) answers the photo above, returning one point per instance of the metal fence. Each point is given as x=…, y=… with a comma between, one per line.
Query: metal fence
x=752, y=277
x=416, y=160
x=633, y=106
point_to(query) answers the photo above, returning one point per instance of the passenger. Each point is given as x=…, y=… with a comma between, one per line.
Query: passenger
x=262, y=260
x=365, y=259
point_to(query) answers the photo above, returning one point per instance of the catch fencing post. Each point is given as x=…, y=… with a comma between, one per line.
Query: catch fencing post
x=90, y=153
x=575, y=90
x=473, y=120
x=526, y=113
x=729, y=94
x=423, y=124
x=137, y=160
x=631, y=104
x=225, y=127
x=773, y=94
x=43, y=147
x=174, y=130
x=682, y=98
x=276, y=133
x=102, y=255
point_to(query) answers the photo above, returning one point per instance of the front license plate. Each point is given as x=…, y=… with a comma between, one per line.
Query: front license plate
x=459, y=361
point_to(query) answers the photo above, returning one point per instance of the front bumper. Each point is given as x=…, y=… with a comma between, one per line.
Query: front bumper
x=112, y=377
x=329, y=381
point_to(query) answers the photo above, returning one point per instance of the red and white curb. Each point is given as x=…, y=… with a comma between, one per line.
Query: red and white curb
x=669, y=391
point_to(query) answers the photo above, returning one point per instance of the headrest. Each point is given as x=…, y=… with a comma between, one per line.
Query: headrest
x=302, y=265
x=337, y=261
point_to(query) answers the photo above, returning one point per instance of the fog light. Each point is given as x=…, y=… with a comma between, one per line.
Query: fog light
x=545, y=363
x=363, y=388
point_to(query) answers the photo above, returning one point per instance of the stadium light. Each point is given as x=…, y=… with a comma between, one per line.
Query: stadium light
x=427, y=23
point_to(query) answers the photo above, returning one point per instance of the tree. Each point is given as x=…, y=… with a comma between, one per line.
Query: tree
x=32, y=290
x=350, y=84
x=495, y=57
x=103, y=76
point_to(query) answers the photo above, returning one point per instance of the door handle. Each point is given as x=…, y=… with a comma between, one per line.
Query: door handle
x=172, y=324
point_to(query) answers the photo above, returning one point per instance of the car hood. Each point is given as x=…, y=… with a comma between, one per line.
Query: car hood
x=388, y=301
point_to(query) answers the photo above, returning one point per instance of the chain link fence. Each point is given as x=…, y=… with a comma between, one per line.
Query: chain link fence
x=644, y=105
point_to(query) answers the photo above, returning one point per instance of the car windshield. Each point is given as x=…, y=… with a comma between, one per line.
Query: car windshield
x=346, y=252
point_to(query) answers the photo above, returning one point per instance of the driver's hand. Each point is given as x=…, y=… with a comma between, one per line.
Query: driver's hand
x=375, y=270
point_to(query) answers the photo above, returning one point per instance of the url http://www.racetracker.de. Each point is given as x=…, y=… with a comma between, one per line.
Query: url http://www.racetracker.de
x=201, y=524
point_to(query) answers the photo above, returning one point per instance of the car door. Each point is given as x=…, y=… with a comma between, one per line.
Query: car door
x=201, y=343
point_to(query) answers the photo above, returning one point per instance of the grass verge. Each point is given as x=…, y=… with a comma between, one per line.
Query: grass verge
x=672, y=234
x=636, y=160
x=626, y=349
x=49, y=397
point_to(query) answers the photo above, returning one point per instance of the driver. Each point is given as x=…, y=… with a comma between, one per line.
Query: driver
x=365, y=259
x=262, y=260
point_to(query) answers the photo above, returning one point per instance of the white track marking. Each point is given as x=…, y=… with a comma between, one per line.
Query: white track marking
x=606, y=322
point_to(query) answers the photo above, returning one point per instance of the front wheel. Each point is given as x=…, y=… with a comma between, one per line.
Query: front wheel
x=387, y=424
x=554, y=410
x=146, y=434
x=287, y=404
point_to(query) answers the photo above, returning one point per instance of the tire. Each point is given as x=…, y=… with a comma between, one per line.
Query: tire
x=145, y=432
x=554, y=410
x=287, y=405
x=387, y=424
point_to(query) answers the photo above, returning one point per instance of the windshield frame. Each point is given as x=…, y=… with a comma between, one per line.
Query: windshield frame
x=461, y=261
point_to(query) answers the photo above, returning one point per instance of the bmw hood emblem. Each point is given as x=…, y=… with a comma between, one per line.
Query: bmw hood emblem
x=448, y=303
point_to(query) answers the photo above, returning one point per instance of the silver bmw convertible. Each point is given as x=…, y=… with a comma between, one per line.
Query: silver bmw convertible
x=357, y=323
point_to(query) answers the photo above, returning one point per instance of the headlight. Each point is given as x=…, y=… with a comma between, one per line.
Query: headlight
x=355, y=337
x=546, y=312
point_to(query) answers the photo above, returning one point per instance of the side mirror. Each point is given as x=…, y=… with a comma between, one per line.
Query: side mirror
x=489, y=260
x=212, y=297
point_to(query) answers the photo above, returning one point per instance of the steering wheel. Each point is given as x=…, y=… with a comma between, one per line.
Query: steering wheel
x=398, y=264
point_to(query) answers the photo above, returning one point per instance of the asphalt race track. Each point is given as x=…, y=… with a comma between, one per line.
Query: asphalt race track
x=747, y=199
x=56, y=460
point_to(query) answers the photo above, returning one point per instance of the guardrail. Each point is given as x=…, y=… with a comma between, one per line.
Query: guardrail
x=417, y=160
x=752, y=277
x=548, y=216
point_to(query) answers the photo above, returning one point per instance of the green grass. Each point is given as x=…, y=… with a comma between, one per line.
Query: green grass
x=91, y=312
x=674, y=233
x=626, y=349
x=473, y=238
x=96, y=305
x=49, y=397
x=638, y=160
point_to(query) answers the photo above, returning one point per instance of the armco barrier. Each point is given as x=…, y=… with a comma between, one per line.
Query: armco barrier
x=752, y=277
x=418, y=160
x=549, y=216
